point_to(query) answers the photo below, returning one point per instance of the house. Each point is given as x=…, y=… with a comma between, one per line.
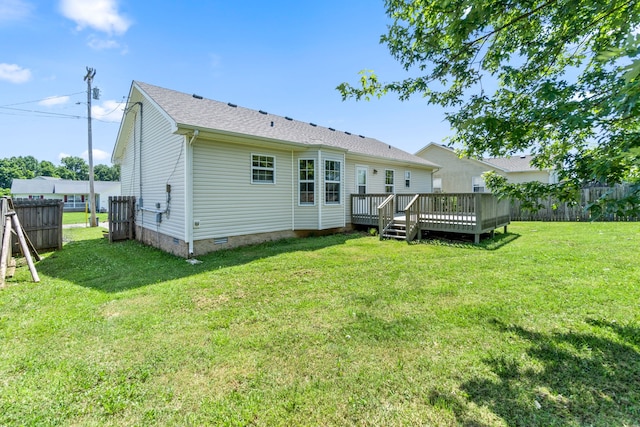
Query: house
x=463, y=175
x=74, y=193
x=209, y=175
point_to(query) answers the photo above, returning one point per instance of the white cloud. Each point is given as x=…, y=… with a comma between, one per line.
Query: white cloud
x=109, y=111
x=101, y=44
x=62, y=155
x=98, y=155
x=101, y=15
x=14, y=73
x=54, y=100
x=14, y=10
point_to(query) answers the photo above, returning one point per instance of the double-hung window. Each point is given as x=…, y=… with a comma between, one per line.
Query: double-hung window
x=306, y=181
x=407, y=179
x=263, y=169
x=478, y=184
x=332, y=182
x=437, y=185
x=389, y=179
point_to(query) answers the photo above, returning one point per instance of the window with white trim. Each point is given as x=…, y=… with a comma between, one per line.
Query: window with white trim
x=407, y=179
x=437, y=185
x=263, y=169
x=306, y=181
x=478, y=184
x=389, y=179
x=361, y=180
x=332, y=182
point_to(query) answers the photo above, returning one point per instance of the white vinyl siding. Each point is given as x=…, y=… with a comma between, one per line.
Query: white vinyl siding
x=227, y=204
x=332, y=214
x=420, y=180
x=163, y=160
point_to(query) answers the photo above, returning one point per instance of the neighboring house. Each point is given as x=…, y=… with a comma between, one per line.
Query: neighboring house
x=209, y=175
x=464, y=175
x=74, y=193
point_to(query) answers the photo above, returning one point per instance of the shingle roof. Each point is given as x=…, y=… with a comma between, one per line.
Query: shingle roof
x=195, y=111
x=513, y=163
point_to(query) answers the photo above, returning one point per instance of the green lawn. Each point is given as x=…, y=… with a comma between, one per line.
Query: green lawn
x=538, y=327
x=81, y=217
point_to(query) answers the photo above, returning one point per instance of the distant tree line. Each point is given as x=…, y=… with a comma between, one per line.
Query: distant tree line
x=72, y=168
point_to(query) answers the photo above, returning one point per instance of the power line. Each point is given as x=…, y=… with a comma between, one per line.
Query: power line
x=40, y=100
x=42, y=112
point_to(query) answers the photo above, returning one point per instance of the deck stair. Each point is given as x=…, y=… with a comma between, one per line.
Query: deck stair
x=396, y=230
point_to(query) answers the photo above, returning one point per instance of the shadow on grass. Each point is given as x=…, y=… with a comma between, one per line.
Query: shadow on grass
x=115, y=267
x=566, y=378
x=465, y=241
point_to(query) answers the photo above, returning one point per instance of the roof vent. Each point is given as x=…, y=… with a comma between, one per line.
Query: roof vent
x=232, y=105
x=348, y=133
x=523, y=157
x=332, y=129
x=288, y=118
x=262, y=112
x=313, y=124
x=197, y=96
x=361, y=136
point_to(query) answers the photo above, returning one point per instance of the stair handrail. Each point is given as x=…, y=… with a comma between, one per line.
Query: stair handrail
x=385, y=214
x=412, y=217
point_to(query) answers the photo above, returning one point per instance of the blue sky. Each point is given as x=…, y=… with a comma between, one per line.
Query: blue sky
x=285, y=57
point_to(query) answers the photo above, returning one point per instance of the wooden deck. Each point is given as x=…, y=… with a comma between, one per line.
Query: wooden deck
x=405, y=216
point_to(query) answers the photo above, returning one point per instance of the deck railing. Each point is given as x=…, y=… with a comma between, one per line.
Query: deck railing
x=472, y=213
x=386, y=214
x=412, y=217
x=364, y=208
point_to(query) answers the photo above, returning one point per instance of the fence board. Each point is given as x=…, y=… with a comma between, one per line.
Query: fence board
x=121, y=218
x=41, y=220
x=554, y=210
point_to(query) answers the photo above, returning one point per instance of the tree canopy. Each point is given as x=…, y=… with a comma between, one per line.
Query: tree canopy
x=73, y=168
x=554, y=78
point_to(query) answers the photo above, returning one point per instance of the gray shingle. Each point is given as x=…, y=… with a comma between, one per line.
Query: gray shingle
x=202, y=113
x=513, y=163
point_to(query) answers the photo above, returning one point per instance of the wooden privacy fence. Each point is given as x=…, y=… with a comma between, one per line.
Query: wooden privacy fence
x=122, y=216
x=41, y=220
x=554, y=210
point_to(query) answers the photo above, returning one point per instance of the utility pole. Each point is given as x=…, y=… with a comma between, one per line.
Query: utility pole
x=92, y=195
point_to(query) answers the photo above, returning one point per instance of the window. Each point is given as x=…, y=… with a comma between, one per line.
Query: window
x=332, y=182
x=306, y=182
x=389, y=187
x=361, y=180
x=263, y=169
x=437, y=185
x=407, y=179
x=478, y=184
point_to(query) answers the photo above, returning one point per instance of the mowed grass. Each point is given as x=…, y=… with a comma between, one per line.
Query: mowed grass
x=81, y=217
x=537, y=327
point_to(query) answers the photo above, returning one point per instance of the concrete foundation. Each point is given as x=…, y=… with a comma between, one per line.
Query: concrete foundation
x=180, y=248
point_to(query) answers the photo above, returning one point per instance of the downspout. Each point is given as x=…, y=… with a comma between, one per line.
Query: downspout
x=343, y=193
x=322, y=188
x=188, y=176
x=293, y=192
